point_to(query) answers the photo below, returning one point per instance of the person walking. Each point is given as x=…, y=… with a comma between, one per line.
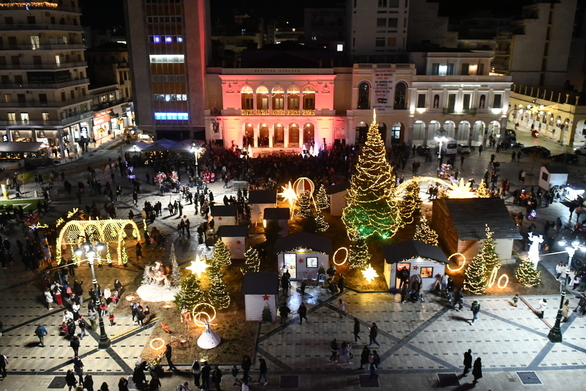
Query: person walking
x=205, y=375
x=542, y=307
x=196, y=371
x=334, y=348
x=302, y=311
x=138, y=249
x=70, y=379
x=342, y=307
x=78, y=368
x=374, y=361
x=263, y=372
x=41, y=331
x=123, y=384
x=467, y=362
x=356, y=330
x=217, y=378
x=475, y=307
x=477, y=370
x=373, y=333
x=364, y=355
x=169, y=357
x=3, y=363
x=284, y=312
x=74, y=343
x=88, y=383
x=246, y=365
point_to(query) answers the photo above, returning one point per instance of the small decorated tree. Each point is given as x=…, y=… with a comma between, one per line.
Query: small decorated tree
x=424, y=233
x=488, y=253
x=321, y=199
x=475, y=279
x=124, y=255
x=527, y=275
x=108, y=255
x=320, y=221
x=218, y=295
x=266, y=314
x=482, y=191
x=189, y=293
x=221, y=256
x=304, y=205
x=411, y=202
x=252, y=261
x=175, y=272
x=358, y=256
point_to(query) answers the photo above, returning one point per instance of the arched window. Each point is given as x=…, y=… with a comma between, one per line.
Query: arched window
x=279, y=136
x=246, y=98
x=293, y=100
x=248, y=138
x=262, y=100
x=293, y=136
x=400, y=96
x=308, y=135
x=278, y=97
x=363, y=96
x=308, y=98
x=263, y=136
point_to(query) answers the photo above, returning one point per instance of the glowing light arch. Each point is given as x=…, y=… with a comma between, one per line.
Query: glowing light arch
x=74, y=233
x=345, y=258
x=198, y=311
x=461, y=267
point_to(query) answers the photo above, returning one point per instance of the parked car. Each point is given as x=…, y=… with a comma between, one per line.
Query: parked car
x=536, y=149
x=423, y=151
x=510, y=137
x=535, y=133
x=566, y=158
x=463, y=149
x=581, y=150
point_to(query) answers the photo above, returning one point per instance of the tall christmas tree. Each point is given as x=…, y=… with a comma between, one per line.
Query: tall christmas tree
x=320, y=221
x=424, y=233
x=252, y=261
x=358, y=256
x=371, y=206
x=221, y=256
x=218, y=295
x=189, y=293
x=527, y=275
x=321, y=199
x=304, y=205
x=475, y=279
x=488, y=253
x=411, y=202
x=482, y=191
x=175, y=272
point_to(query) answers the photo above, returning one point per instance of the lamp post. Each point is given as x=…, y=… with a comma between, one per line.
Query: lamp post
x=196, y=149
x=104, y=342
x=555, y=334
x=440, y=139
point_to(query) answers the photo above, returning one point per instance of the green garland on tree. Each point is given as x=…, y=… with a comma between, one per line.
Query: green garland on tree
x=424, y=233
x=320, y=221
x=222, y=256
x=489, y=254
x=372, y=208
x=218, y=295
x=358, y=256
x=108, y=255
x=251, y=260
x=411, y=201
x=175, y=272
x=124, y=254
x=189, y=293
x=527, y=274
x=303, y=205
x=322, y=200
x=475, y=279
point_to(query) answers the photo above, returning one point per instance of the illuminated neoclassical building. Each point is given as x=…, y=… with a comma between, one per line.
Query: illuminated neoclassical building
x=294, y=109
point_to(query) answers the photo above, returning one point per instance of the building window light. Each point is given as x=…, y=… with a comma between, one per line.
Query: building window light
x=156, y=39
x=340, y=47
x=168, y=39
x=180, y=39
x=443, y=70
x=171, y=116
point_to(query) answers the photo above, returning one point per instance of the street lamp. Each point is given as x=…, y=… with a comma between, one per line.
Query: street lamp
x=91, y=252
x=196, y=149
x=555, y=334
x=440, y=139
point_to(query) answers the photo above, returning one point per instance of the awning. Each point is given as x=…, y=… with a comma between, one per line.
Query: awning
x=20, y=147
x=140, y=144
x=409, y=249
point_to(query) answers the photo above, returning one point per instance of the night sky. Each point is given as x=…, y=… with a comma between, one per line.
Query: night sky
x=105, y=14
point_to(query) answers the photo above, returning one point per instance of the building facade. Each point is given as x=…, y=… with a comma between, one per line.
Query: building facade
x=292, y=110
x=44, y=85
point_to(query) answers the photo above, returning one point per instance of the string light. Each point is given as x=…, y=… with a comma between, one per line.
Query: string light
x=369, y=274
x=198, y=311
x=503, y=285
x=345, y=257
x=463, y=262
x=161, y=346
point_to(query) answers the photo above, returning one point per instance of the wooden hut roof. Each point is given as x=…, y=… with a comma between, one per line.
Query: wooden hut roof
x=232, y=231
x=277, y=214
x=260, y=283
x=306, y=240
x=262, y=197
x=409, y=249
x=224, y=210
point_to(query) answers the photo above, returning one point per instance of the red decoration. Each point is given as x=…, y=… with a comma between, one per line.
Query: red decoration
x=300, y=260
x=238, y=242
x=415, y=267
x=220, y=218
x=266, y=297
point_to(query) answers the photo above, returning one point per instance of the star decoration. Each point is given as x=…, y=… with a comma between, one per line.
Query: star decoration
x=289, y=194
x=198, y=266
x=219, y=218
x=238, y=242
x=300, y=260
x=266, y=297
x=369, y=273
x=415, y=267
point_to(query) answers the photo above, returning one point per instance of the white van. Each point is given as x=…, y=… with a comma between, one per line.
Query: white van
x=450, y=147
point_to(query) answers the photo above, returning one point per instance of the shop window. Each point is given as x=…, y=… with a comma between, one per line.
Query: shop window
x=311, y=262
x=363, y=96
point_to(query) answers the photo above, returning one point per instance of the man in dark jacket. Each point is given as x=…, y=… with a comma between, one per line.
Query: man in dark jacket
x=467, y=361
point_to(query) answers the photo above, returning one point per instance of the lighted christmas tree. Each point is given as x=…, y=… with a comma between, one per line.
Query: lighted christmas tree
x=189, y=293
x=322, y=200
x=527, y=275
x=411, y=202
x=124, y=255
x=108, y=255
x=175, y=272
x=218, y=295
x=475, y=279
x=221, y=256
x=303, y=205
x=371, y=205
x=358, y=256
x=424, y=233
x=320, y=221
x=482, y=191
x=488, y=253
x=252, y=261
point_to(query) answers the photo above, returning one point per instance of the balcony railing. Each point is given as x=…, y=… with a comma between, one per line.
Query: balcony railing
x=42, y=27
x=62, y=65
x=35, y=103
x=459, y=112
x=106, y=105
x=56, y=122
x=47, y=46
x=46, y=85
x=276, y=112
